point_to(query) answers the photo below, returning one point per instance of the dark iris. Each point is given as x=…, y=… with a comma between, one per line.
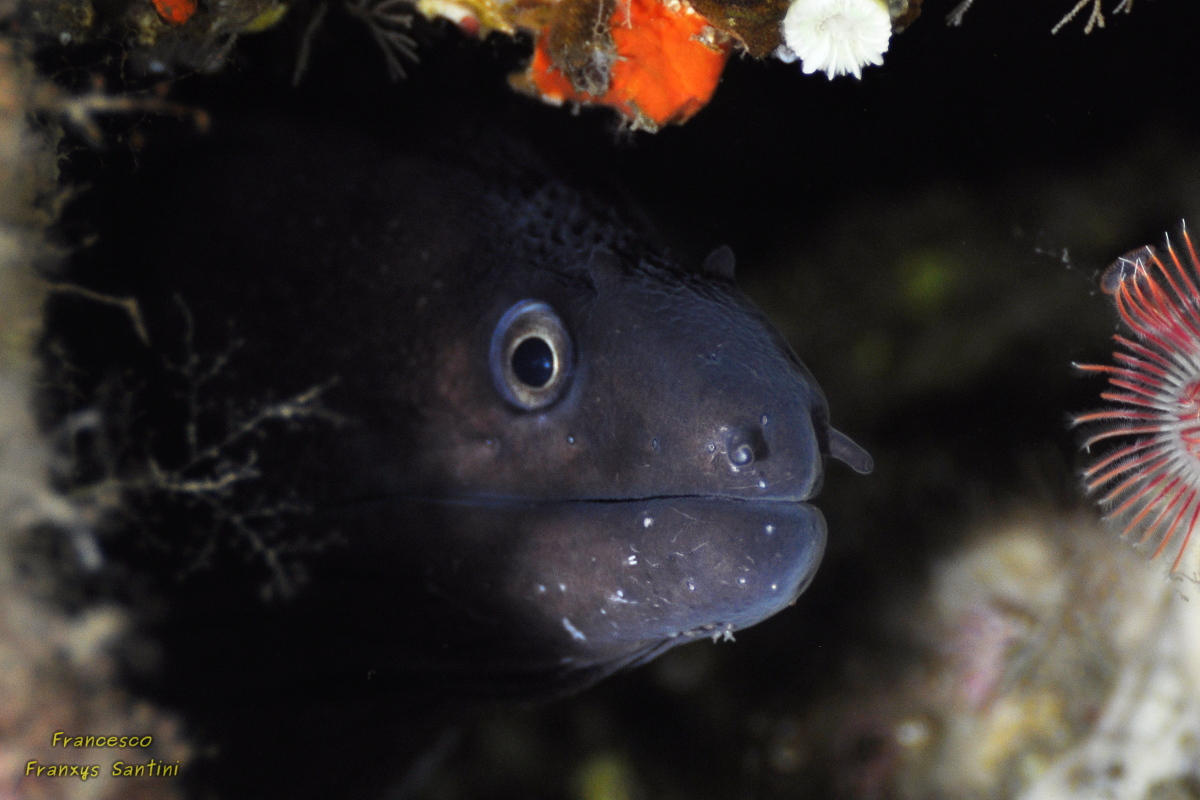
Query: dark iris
x=533, y=362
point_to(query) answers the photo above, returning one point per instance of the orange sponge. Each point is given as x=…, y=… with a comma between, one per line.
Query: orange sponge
x=669, y=60
x=175, y=12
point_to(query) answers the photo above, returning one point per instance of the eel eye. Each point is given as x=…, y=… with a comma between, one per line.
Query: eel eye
x=531, y=355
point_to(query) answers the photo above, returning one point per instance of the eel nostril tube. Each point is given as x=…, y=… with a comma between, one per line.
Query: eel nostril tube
x=745, y=445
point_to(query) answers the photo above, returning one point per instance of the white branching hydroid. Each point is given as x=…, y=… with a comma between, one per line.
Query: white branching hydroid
x=837, y=37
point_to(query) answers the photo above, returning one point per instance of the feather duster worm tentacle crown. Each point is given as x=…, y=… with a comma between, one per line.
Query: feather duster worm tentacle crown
x=1150, y=481
x=837, y=37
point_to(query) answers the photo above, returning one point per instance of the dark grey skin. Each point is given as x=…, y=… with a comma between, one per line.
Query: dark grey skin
x=470, y=545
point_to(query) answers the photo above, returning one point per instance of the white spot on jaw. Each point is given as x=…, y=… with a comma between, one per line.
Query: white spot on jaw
x=770, y=529
x=724, y=634
x=647, y=521
x=562, y=587
x=741, y=581
x=774, y=587
x=619, y=597
x=541, y=589
x=631, y=561
x=576, y=634
x=762, y=484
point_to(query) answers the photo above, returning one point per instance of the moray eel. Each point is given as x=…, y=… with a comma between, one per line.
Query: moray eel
x=490, y=437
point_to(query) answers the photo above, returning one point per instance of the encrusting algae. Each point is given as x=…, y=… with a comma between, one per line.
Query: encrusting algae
x=60, y=667
x=1045, y=665
x=655, y=62
x=658, y=62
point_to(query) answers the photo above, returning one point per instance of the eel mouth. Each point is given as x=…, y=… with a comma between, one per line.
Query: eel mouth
x=518, y=587
x=484, y=500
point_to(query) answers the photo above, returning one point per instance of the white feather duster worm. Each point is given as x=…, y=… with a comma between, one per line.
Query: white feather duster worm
x=838, y=37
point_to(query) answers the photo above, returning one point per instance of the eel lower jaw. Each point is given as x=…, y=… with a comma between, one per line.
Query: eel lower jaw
x=500, y=587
